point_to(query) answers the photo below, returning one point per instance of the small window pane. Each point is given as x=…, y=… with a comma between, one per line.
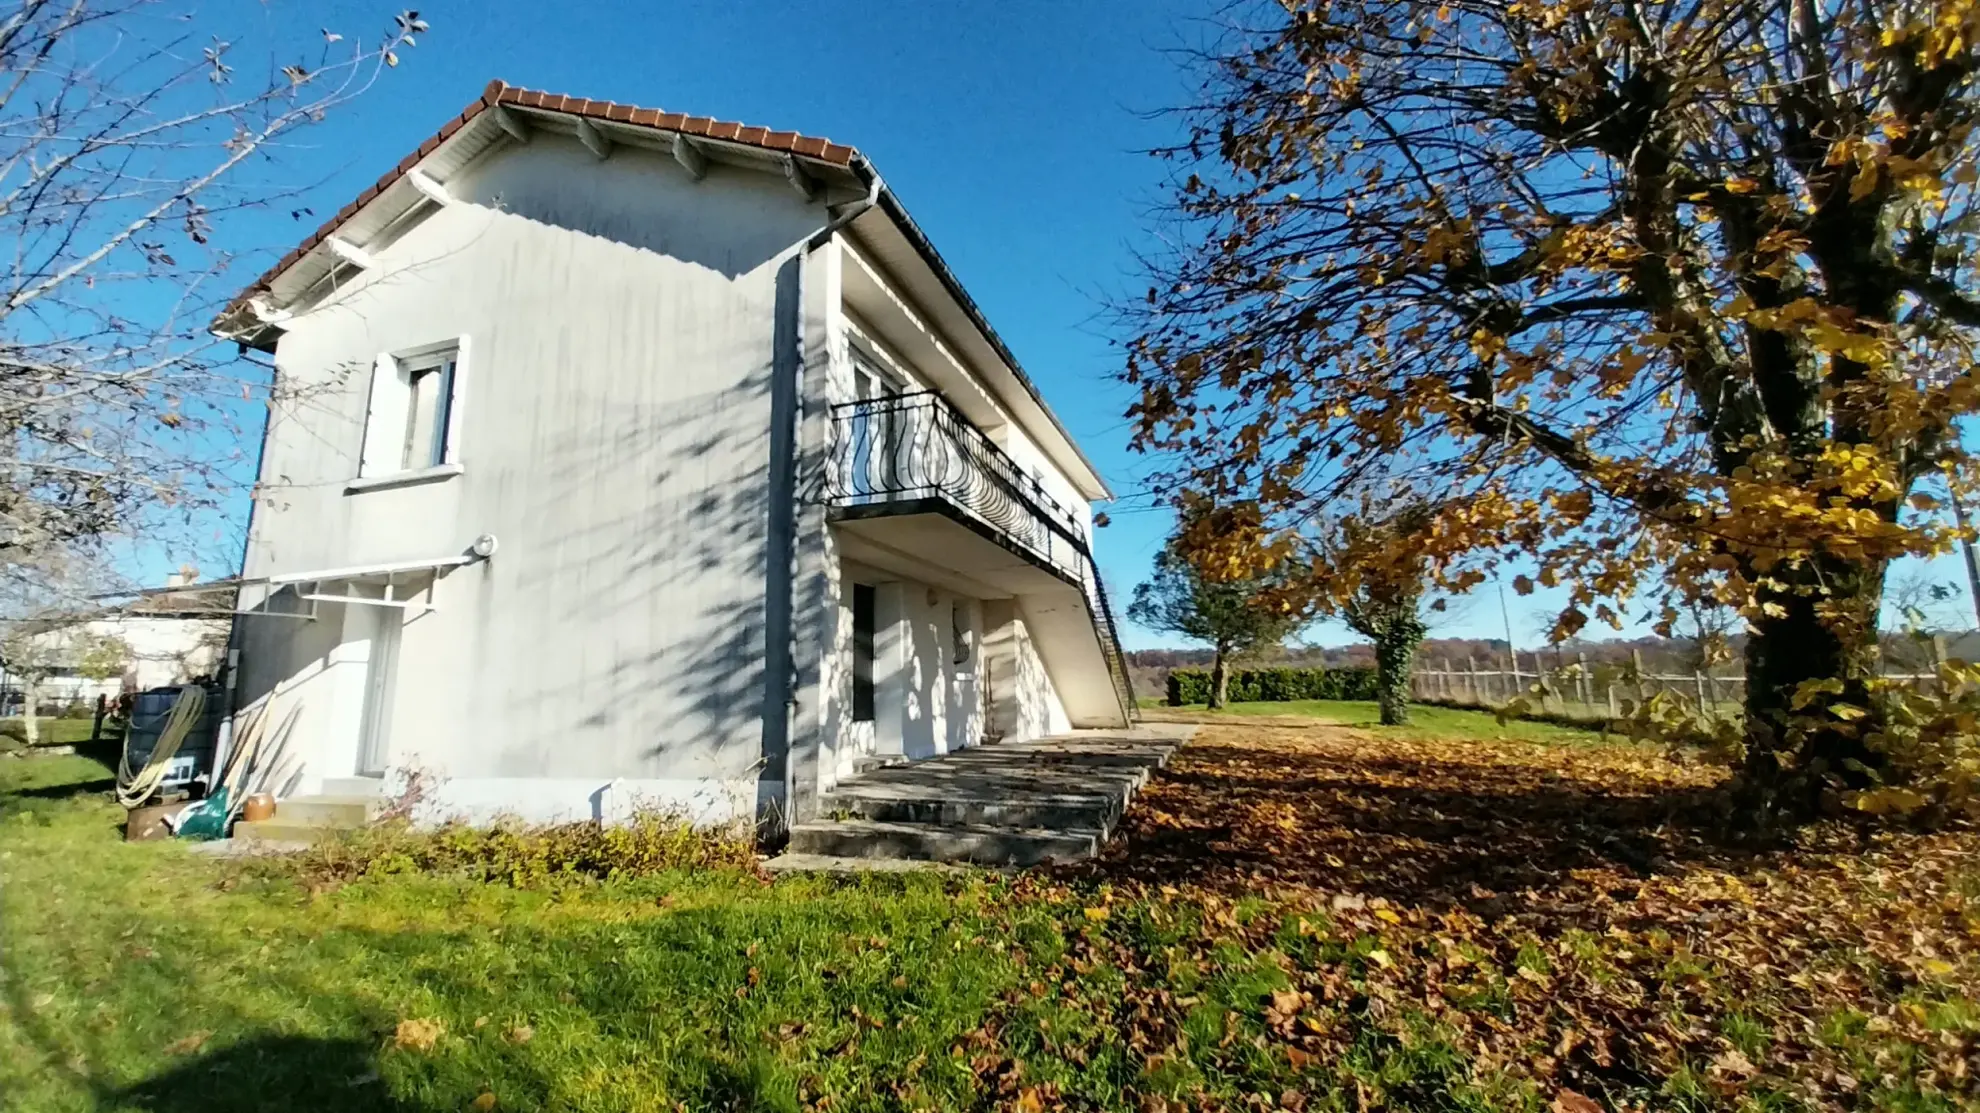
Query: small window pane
x=429, y=410
x=959, y=633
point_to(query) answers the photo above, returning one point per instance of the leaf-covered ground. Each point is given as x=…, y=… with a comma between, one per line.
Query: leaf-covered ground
x=1566, y=920
x=1297, y=916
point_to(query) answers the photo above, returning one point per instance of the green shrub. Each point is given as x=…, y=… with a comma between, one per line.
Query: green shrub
x=522, y=855
x=1273, y=685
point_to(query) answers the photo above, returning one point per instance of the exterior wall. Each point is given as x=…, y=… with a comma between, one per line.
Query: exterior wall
x=1024, y=704
x=1021, y=449
x=167, y=651
x=1030, y=704
x=823, y=742
x=613, y=425
x=1007, y=434
x=943, y=698
x=926, y=703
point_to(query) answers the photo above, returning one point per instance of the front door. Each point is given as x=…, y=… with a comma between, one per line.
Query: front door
x=381, y=666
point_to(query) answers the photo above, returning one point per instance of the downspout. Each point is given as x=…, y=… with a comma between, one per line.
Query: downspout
x=853, y=210
x=230, y=661
x=781, y=696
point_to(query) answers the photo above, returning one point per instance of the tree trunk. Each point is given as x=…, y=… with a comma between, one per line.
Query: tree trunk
x=1395, y=651
x=1220, y=679
x=1794, y=754
x=30, y=704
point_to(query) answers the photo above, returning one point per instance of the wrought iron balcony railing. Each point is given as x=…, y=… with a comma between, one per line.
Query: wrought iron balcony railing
x=904, y=452
x=904, y=449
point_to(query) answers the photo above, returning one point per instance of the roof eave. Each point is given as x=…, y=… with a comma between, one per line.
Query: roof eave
x=255, y=324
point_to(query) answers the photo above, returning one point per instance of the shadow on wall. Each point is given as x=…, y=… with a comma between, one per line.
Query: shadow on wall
x=1034, y=685
x=628, y=468
x=662, y=596
x=731, y=222
x=657, y=509
x=649, y=569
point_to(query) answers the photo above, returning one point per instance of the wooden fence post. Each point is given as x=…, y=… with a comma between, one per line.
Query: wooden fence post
x=1471, y=680
x=1614, y=710
x=1636, y=662
x=1583, y=683
x=96, y=727
x=1698, y=682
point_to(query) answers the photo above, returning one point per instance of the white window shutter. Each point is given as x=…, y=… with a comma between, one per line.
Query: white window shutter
x=384, y=419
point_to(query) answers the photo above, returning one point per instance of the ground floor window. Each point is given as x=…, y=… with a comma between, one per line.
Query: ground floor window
x=862, y=653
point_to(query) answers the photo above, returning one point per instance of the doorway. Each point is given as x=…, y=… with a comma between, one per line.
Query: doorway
x=381, y=667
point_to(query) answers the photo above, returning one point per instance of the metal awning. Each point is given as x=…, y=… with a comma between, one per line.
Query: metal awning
x=334, y=585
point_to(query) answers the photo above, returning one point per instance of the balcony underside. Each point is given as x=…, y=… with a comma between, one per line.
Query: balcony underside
x=933, y=540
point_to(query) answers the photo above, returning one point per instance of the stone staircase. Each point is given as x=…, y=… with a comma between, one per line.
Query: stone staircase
x=1003, y=804
x=345, y=804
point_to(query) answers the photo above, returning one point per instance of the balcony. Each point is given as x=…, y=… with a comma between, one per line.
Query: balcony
x=911, y=478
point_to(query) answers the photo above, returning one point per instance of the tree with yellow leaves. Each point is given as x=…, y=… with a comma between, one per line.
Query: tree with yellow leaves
x=1376, y=574
x=1676, y=301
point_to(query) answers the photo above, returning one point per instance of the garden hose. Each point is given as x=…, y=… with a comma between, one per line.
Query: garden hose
x=134, y=787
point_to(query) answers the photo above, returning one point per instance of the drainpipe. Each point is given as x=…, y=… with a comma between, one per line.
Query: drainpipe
x=853, y=209
x=786, y=451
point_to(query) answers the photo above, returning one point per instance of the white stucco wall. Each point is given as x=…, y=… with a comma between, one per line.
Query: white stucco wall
x=1024, y=702
x=1040, y=711
x=926, y=703
x=613, y=432
x=1025, y=453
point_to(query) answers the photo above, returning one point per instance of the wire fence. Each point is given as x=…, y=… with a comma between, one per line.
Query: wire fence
x=1591, y=689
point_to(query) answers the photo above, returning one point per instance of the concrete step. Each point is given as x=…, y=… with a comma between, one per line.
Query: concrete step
x=353, y=786
x=825, y=863
x=871, y=762
x=329, y=811
x=976, y=843
x=905, y=804
x=276, y=831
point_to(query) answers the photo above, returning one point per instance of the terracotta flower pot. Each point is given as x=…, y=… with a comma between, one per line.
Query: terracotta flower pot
x=258, y=807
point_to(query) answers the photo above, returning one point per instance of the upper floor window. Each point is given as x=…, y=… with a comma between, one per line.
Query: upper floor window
x=412, y=421
x=430, y=389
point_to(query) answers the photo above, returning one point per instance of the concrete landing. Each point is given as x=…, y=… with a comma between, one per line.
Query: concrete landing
x=1004, y=804
x=308, y=819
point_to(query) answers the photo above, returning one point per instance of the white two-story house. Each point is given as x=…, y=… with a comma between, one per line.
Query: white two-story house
x=626, y=458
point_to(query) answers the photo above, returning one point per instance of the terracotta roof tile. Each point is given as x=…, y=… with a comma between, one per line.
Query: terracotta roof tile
x=498, y=92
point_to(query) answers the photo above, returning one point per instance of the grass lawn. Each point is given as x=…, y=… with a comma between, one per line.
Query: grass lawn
x=1293, y=917
x=1424, y=720
x=54, y=732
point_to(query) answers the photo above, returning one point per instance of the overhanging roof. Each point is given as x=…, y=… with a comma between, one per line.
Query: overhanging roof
x=253, y=316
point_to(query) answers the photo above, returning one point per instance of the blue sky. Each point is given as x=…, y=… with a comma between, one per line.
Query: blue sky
x=1012, y=130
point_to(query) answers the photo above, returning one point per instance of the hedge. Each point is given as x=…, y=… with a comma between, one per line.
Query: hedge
x=1187, y=686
